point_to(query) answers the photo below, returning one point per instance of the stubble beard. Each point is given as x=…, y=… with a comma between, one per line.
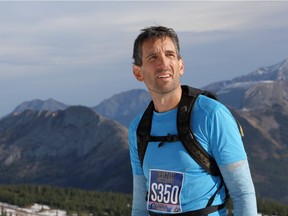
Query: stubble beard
x=166, y=88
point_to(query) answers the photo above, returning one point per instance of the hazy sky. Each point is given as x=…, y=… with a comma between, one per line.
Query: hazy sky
x=80, y=52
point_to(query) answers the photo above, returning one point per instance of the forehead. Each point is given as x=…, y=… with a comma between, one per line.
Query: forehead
x=157, y=44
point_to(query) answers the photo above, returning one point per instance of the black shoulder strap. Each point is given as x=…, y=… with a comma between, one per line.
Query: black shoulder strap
x=143, y=131
x=192, y=146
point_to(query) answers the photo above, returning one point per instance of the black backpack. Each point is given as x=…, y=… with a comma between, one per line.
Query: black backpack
x=186, y=136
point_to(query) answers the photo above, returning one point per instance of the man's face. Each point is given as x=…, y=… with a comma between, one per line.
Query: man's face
x=161, y=69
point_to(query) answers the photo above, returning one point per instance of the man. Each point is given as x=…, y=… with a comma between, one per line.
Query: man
x=169, y=181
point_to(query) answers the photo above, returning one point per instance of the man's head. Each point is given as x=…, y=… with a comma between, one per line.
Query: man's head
x=157, y=60
x=153, y=32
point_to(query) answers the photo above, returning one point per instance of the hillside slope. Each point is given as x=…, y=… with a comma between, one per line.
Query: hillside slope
x=71, y=148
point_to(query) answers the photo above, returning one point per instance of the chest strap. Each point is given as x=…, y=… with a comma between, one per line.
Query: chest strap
x=200, y=212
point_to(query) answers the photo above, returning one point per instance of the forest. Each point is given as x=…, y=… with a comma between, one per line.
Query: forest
x=83, y=202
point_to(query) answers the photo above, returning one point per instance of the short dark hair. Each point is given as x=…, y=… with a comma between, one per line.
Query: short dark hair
x=153, y=32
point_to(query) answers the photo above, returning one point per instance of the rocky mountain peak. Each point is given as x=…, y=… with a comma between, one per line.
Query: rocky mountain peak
x=40, y=105
x=125, y=106
x=274, y=72
x=262, y=88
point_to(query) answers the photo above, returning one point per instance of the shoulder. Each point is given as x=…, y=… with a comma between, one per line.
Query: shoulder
x=216, y=122
x=132, y=137
x=207, y=105
x=135, y=122
x=212, y=110
x=132, y=129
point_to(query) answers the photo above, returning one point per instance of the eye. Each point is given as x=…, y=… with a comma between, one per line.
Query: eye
x=171, y=54
x=151, y=57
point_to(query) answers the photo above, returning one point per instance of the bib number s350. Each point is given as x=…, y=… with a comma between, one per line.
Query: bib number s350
x=164, y=191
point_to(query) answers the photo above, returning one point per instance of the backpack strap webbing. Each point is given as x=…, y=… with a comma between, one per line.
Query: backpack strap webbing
x=143, y=131
x=192, y=146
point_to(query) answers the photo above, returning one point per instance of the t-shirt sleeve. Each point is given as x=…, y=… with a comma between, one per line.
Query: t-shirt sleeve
x=225, y=138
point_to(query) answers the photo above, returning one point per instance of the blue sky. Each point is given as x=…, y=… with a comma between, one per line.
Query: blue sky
x=79, y=53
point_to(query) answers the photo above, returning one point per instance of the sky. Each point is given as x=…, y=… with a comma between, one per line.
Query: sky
x=80, y=52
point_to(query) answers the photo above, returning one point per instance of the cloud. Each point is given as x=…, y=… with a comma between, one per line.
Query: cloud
x=78, y=33
x=88, y=44
x=83, y=36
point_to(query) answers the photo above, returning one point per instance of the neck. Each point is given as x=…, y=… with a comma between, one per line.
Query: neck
x=167, y=101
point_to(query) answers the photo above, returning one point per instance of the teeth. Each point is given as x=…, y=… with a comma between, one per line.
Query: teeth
x=164, y=76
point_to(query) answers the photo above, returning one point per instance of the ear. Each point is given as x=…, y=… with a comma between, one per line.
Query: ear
x=138, y=73
x=181, y=67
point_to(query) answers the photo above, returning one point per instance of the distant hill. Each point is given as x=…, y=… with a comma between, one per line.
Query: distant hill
x=121, y=107
x=71, y=148
x=125, y=106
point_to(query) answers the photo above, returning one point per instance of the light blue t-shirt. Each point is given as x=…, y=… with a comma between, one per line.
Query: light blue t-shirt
x=176, y=182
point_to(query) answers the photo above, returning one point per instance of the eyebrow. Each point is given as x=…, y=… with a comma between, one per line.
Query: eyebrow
x=169, y=51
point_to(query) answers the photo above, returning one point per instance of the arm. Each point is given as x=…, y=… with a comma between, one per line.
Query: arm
x=228, y=149
x=139, y=207
x=238, y=180
x=139, y=196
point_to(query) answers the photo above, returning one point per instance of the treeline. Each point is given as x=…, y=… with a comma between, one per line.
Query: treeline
x=270, y=207
x=73, y=201
x=83, y=202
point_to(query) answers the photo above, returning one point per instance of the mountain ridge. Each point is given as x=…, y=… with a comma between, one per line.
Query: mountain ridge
x=278, y=71
x=40, y=105
x=264, y=75
x=256, y=90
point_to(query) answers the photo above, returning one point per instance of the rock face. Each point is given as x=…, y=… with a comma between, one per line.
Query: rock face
x=74, y=147
x=125, y=106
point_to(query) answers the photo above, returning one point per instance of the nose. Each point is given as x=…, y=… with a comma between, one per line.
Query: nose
x=162, y=61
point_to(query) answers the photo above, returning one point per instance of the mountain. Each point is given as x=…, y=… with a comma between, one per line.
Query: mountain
x=274, y=72
x=122, y=107
x=74, y=147
x=40, y=105
x=256, y=90
x=125, y=106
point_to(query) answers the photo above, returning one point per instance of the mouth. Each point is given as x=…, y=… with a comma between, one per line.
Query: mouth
x=164, y=76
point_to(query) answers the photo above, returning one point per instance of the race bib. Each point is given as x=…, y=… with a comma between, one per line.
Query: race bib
x=164, y=191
